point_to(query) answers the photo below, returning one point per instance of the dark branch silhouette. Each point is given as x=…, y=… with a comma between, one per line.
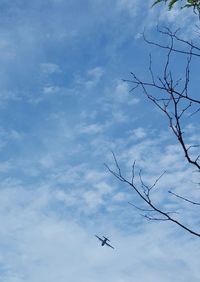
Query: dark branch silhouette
x=184, y=198
x=173, y=36
x=173, y=98
x=144, y=192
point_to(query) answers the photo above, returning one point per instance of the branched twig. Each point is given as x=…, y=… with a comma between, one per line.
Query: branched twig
x=145, y=196
x=140, y=209
x=156, y=181
x=173, y=35
x=154, y=218
x=183, y=198
x=175, y=102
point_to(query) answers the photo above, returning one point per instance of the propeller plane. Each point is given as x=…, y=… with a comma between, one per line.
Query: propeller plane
x=104, y=241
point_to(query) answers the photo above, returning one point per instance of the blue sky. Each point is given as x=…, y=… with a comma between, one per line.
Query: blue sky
x=64, y=108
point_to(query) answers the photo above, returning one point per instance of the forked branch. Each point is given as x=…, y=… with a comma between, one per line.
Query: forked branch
x=173, y=97
x=144, y=193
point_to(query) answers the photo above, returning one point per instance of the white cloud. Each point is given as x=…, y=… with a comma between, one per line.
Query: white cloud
x=50, y=68
x=138, y=133
x=57, y=239
x=120, y=197
x=119, y=116
x=67, y=198
x=48, y=248
x=55, y=192
x=51, y=89
x=121, y=94
x=5, y=166
x=90, y=128
x=91, y=78
x=131, y=7
x=47, y=161
x=96, y=73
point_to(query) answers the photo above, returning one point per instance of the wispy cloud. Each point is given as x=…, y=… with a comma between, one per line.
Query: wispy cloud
x=63, y=109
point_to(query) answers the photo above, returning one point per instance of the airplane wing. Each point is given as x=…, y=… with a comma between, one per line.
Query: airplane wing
x=99, y=238
x=109, y=246
x=106, y=239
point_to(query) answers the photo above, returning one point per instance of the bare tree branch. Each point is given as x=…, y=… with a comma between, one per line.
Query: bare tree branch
x=145, y=196
x=183, y=198
x=174, y=99
x=173, y=35
x=171, y=95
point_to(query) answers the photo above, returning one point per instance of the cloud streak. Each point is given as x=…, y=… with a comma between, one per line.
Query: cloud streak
x=64, y=108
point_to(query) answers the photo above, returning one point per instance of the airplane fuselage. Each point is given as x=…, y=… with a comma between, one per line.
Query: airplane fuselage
x=104, y=242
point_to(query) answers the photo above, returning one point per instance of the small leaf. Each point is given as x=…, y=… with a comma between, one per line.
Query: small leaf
x=156, y=2
x=171, y=4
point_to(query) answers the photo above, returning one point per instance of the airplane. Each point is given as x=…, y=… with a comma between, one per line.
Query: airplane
x=104, y=241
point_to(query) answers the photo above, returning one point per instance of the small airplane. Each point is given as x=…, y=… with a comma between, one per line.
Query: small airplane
x=104, y=241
